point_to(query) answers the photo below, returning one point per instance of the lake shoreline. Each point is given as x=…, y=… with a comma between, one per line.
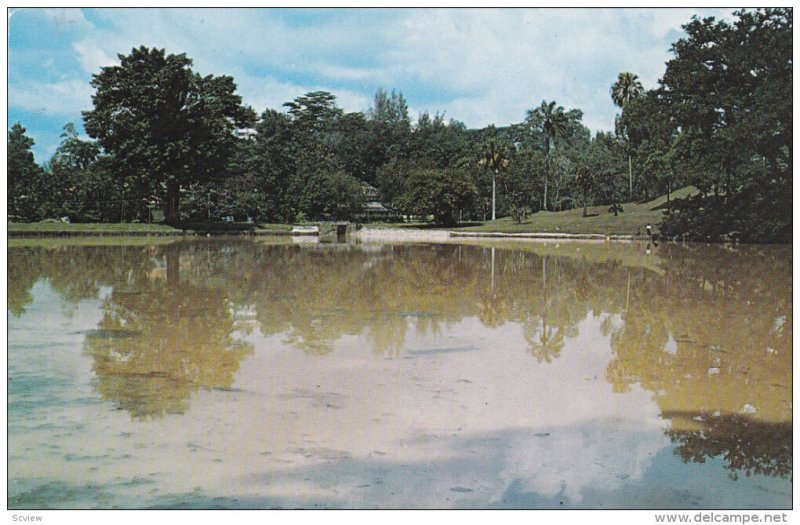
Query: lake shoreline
x=393, y=234
x=360, y=232
x=364, y=234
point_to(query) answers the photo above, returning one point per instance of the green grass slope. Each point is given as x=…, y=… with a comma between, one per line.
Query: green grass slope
x=632, y=220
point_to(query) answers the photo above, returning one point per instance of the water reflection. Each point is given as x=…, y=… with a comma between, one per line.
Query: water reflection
x=748, y=445
x=706, y=337
x=161, y=338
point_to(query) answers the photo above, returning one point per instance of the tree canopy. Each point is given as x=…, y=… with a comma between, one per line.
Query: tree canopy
x=164, y=122
x=25, y=177
x=719, y=120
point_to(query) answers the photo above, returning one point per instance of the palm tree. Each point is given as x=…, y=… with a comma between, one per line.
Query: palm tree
x=494, y=159
x=627, y=88
x=552, y=121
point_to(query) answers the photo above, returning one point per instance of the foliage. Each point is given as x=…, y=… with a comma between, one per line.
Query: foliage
x=442, y=193
x=391, y=180
x=494, y=158
x=729, y=90
x=720, y=120
x=552, y=123
x=26, y=182
x=585, y=180
x=389, y=131
x=162, y=121
x=625, y=90
x=440, y=142
x=89, y=190
x=519, y=192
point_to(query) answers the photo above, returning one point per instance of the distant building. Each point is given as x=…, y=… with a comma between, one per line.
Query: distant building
x=373, y=207
x=245, y=133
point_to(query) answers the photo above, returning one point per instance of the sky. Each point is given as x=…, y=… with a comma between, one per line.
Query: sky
x=478, y=66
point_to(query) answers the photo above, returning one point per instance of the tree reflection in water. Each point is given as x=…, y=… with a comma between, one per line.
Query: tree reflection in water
x=697, y=326
x=748, y=445
x=162, y=339
x=711, y=338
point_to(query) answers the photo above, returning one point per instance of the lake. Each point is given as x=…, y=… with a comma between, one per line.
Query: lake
x=267, y=373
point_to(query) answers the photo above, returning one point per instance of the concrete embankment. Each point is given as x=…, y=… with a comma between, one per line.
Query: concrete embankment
x=364, y=234
x=411, y=235
x=543, y=235
x=400, y=235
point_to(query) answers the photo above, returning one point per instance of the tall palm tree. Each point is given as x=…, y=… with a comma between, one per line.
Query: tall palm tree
x=494, y=159
x=552, y=121
x=627, y=88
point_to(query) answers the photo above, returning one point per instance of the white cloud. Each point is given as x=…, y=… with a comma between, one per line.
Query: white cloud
x=65, y=98
x=266, y=92
x=67, y=18
x=346, y=73
x=479, y=66
x=351, y=101
x=495, y=60
x=606, y=453
x=91, y=57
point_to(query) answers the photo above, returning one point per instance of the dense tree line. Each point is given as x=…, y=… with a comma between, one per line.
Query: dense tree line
x=721, y=120
x=164, y=139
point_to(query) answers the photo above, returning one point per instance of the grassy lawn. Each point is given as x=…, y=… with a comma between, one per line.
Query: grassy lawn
x=56, y=227
x=46, y=227
x=600, y=221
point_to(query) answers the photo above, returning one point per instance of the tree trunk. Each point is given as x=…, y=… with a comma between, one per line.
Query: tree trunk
x=669, y=210
x=546, y=171
x=171, y=216
x=494, y=176
x=558, y=195
x=584, y=204
x=544, y=201
x=630, y=176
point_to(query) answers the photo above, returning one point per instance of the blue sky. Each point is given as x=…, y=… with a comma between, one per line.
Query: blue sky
x=479, y=66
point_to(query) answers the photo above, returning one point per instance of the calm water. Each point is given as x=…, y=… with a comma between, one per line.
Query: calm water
x=261, y=374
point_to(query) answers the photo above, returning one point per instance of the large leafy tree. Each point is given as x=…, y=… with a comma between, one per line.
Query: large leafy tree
x=271, y=161
x=164, y=122
x=729, y=89
x=551, y=122
x=440, y=141
x=24, y=176
x=626, y=89
x=443, y=193
x=82, y=188
x=605, y=164
x=314, y=116
x=390, y=129
x=325, y=145
x=651, y=134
